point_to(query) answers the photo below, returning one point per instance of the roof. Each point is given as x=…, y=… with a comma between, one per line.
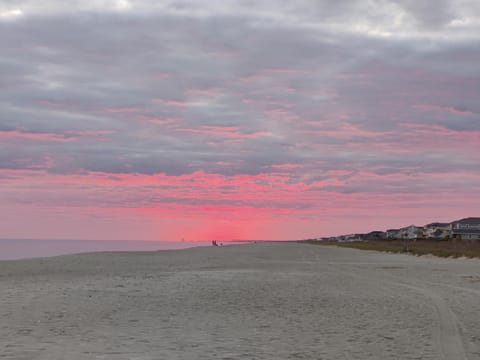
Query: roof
x=437, y=224
x=469, y=220
x=412, y=227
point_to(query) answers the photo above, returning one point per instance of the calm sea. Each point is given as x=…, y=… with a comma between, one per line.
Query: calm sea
x=20, y=249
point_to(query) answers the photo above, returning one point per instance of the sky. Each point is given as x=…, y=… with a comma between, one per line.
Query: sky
x=265, y=119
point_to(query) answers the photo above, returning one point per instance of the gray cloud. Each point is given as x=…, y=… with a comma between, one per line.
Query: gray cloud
x=187, y=87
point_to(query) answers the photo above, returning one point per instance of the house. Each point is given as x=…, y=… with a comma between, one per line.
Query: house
x=411, y=232
x=437, y=231
x=351, y=237
x=439, y=234
x=466, y=229
x=392, y=233
x=374, y=235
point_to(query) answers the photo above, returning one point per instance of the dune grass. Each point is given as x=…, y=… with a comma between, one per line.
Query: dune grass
x=450, y=248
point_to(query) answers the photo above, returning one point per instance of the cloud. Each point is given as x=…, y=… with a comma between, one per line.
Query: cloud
x=376, y=90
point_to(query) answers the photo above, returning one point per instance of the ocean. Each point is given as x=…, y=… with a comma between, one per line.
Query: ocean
x=21, y=249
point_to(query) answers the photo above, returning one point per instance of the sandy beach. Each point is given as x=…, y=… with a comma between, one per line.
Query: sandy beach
x=253, y=301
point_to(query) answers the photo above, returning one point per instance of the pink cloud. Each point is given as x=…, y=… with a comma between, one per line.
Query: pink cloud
x=58, y=105
x=18, y=135
x=159, y=120
x=204, y=92
x=225, y=131
x=123, y=110
x=286, y=166
x=423, y=136
x=245, y=206
x=174, y=103
x=67, y=136
x=448, y=109
x=287, y=71
x=162, y=75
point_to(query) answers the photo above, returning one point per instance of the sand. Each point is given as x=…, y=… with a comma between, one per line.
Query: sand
x=255, y=301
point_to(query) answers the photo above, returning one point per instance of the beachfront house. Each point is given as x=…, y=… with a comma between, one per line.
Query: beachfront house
x=374, y=235
x=351, y=237
x=466, y=229
x=437, y=231
x=411, y=232
x=392, y=233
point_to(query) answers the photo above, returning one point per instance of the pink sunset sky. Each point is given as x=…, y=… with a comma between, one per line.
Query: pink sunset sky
x=163, y=120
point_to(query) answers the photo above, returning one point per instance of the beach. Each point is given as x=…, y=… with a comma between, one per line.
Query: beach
x=252, y=301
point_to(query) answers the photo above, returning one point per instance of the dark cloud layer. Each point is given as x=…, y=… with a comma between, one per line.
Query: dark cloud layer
x=178, y=87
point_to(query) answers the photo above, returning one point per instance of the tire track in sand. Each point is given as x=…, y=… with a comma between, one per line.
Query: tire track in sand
x=447, y=332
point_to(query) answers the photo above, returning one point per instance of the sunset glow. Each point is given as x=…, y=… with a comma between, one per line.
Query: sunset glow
x=215, y=120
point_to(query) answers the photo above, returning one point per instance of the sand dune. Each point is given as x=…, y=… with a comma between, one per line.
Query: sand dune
x=256, y=301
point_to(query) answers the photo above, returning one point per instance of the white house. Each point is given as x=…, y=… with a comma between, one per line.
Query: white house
x=437, y=230
x=411, y=232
